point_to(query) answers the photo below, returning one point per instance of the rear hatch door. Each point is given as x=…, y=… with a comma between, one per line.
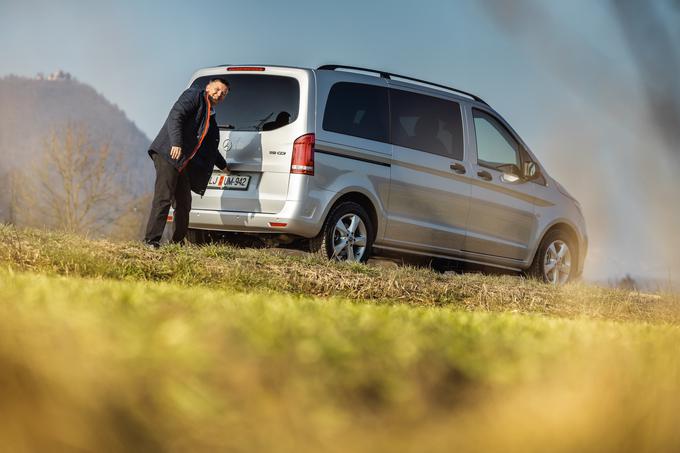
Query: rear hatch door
x=260, y=118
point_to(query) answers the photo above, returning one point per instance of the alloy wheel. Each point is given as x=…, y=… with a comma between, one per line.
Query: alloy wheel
x=557, y=263
x=350, y=238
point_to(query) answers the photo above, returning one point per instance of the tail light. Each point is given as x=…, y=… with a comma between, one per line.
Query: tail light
x=303, y=155
x=245, y=68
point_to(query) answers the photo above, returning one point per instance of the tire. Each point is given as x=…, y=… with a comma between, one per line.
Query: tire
x=329, y=242
x=198, y=237
x=553, y=263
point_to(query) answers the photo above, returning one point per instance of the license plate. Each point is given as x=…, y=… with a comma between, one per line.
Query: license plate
x=229, y=182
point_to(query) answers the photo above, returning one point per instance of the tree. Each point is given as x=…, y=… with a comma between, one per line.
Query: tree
x=76, y=186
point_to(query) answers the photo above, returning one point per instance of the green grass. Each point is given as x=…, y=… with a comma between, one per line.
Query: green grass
x=109, y=347
x=129, y=365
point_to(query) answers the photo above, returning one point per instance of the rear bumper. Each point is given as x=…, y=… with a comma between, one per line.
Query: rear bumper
x=300, y=219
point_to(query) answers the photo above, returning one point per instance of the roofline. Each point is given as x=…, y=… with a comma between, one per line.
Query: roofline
x=389, y=75
x=383, y=74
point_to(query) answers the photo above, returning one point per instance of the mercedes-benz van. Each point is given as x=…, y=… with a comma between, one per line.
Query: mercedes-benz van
x=353, y=161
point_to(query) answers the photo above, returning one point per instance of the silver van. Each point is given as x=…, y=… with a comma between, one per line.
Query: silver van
x=351, y=161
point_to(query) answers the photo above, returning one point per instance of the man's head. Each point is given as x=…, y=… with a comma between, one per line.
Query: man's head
x=216, y=90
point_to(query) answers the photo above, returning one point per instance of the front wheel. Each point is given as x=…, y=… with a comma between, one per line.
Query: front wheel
x=347, y=234
x=555, y=260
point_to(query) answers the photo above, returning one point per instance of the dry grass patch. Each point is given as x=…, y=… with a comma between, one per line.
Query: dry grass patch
x=253, y=270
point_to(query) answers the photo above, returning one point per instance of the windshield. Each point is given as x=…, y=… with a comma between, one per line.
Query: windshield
x=256, y=102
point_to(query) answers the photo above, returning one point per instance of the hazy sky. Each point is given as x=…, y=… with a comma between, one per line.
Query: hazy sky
x=140, y=56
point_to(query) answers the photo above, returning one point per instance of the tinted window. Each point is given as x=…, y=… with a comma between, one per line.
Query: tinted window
x=426, y=123
x=358, y=110
x=495, y=146
x=256, y=102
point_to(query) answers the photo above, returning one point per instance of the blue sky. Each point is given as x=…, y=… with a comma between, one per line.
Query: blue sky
x=140, y=55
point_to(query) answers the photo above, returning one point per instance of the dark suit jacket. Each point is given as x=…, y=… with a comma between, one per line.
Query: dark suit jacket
x=184, y=127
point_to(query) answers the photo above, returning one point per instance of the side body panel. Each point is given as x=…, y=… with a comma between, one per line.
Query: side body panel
x=554, y=209
x=502, y=218
x=348, y=164
x=429, y=200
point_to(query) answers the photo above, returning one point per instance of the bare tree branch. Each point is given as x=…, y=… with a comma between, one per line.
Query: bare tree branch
x=79, y=186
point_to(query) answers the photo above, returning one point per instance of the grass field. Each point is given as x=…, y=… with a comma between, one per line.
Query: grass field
x=110, y=347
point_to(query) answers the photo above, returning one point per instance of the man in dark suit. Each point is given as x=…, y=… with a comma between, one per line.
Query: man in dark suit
x=184, y=154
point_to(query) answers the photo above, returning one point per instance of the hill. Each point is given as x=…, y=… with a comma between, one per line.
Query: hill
x=32, y=108
x=110, y=346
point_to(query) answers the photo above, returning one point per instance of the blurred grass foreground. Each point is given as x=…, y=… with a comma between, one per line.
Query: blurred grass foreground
x=108, y=346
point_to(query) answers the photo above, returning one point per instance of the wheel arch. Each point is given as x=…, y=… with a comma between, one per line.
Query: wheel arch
x=365, y=202
x=571, y=231
x=361, y=198
x=319, y=244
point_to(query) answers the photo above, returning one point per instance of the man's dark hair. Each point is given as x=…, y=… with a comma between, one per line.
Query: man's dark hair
x=220, y=79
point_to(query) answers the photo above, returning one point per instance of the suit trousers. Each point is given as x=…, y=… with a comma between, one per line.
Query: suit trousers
x=171, y=188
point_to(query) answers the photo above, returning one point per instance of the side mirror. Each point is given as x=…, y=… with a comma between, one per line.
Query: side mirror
x=511, y=172
x=531, y=171
x=509, y=169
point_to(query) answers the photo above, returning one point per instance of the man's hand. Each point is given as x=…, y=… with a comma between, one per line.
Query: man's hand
x=175, y=152
x=226, y=171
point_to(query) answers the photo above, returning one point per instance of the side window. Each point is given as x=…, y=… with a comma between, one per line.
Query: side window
x=426, y=123
x=495, y=146
x=358, y=110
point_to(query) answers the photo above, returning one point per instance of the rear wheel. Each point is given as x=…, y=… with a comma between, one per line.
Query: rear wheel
x=347, y=234
x=197, y=237
x=555, y=260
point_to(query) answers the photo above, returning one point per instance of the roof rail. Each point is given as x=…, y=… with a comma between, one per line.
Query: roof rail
x=389, y=75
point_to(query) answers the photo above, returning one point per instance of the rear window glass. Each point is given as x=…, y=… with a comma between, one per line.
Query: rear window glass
x=256, y=102
x=427, y=123
x=358, y=110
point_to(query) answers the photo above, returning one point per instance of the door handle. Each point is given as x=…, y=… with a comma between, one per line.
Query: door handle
x=458, y=168
x=485, y=175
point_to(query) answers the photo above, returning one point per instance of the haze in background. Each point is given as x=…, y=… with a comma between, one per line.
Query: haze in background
x=576, y=79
